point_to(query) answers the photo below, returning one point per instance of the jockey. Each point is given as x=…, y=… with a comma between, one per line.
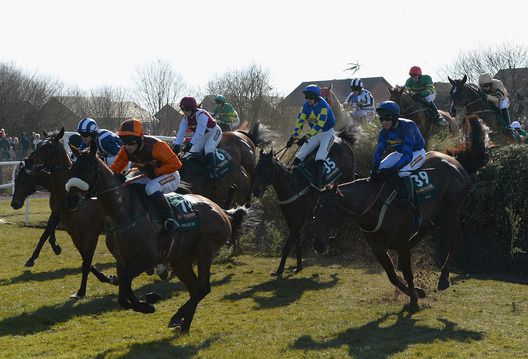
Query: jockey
x=225, y=114
x=422, y=90
x=321, y=120
x=108, y=143
x=518, y=133
x=207, y=133
x=156, y=160
x=362, y=98
x=403, y=137
x=494, y=91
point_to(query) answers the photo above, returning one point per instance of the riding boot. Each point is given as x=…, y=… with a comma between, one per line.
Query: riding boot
x=211, y=165
x=319, y=173
x=506, y=121
x=165, y=211
x=435, y=115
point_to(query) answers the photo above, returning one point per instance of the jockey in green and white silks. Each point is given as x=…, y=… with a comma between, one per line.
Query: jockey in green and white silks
x=320, y=117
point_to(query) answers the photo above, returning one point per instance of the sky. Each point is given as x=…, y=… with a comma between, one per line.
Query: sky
x=96, y=43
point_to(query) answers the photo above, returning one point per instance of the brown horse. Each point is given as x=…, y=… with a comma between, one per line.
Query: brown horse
x=235, y=185
x=84, y=226
x=25, y=186
x=138, y=244
x=413, y=110
x=390, y=225
x=466, y=96
x=294, y=193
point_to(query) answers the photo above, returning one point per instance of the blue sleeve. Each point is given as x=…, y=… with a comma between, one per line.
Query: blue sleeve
x=380, y=149
x=407, y=148
x=111, y=145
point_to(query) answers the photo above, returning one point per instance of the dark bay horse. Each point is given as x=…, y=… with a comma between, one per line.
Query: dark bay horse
x=138, y=244
x=295, y=195
x=466, y=96
x=417, y=112
x=233, y=187
x=25, y=186
x=84, y=226
x=389, y=225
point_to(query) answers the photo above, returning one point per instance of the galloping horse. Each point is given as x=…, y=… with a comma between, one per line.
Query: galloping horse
x=234, y=185
x=138, y=244
x=416, y=111
x=390, y=225
x=25, y=186
x=294, y=193
x=83, y=226
x=467, y=96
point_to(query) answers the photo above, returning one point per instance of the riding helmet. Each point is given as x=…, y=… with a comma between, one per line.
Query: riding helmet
x=313, y=89
x=415, y=71
x=388, y=110
x=220, y=99
x=87, y=126
x=131, y=127
x=356, y=84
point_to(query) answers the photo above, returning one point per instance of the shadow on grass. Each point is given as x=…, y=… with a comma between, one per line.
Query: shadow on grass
x=500, y=277
x=162, y=349
x=46, y=317
x=380, y=340
x=28, y=275
x=283, y=291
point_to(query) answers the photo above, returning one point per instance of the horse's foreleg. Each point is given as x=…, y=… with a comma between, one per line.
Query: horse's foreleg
x=127, y=297
x=298, y=252
x=293, y=236
x=386, y=263
x=112, y=279
x=404, y=257
x=454, y=237
x=183, y=269
x=53, y=222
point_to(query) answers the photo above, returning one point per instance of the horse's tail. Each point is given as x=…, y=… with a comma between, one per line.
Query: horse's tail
x=348, y=134
x=261, y=135
x=242, y=218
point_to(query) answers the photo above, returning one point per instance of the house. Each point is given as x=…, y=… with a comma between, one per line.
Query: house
x=378, y=86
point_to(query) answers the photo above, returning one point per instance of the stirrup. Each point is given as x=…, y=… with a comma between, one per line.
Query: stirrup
x=171, y=225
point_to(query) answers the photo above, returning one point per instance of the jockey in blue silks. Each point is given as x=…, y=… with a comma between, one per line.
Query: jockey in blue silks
x=320, y=117
x=108, y=143
x=404, y=138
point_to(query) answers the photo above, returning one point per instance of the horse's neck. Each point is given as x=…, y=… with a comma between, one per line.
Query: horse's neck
x=284, y=181
x=362, y=200
x=408, y=105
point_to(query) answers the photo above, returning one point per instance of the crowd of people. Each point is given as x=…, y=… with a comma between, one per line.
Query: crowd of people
x=15, y=148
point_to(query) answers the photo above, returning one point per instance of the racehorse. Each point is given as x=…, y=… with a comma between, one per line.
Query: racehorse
x=391, y=225
x=234, y=186
x=413, y=110
x=137, y=243
x=83, y=226
x=25, y=186
x=473, y=154
x=467, y=96
x=295, y=194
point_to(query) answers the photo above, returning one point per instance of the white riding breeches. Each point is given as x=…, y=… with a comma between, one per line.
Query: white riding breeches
x=209, y=141
x=431, y=97
x=417, y=161
x=323, y=139
x=505, y=103
x=164, y=183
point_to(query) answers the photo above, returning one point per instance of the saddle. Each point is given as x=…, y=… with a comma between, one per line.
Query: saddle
x=223, y=160
x=308, y=171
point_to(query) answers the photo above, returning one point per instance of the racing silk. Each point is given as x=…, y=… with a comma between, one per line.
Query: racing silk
x=497, y=93
x=404, y=138
x=364, y=100
x=320, y=117
x=225, y=114
x=200, y=122
x=424, y=87
x=153, y=153
x=108, y=143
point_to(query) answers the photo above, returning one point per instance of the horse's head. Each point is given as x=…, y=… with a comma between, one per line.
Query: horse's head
x=263, y=173
x=458, y=91
x=85, y=174
x=47, y=155
x=396, y=93
x=327, y=217
x=24, y=186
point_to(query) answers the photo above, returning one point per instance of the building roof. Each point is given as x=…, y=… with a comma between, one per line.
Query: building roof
x=341, y=87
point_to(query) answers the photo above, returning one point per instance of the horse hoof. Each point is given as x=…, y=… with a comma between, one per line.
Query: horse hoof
x=57, y=249
x=297, y=270
x=412, y=307
x=420, y=292
x=152, y=297
x=145, y=308
x=276, y=274
x=76, y=296
x=29, y=263
x=112, y=279
x=443, y=284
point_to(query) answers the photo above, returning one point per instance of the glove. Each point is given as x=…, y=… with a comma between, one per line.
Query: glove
x=375, y=174
x=149, y=171
x=387, y=172
x=302, y=141
x=290, y=142
x=176, y=149
x=186, y=146
x=122, y=177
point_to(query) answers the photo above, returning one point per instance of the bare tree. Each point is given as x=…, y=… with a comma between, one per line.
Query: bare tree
x=158, y=85
x=248, y=90
x=108, y=105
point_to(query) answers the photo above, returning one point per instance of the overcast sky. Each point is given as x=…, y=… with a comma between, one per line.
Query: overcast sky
x=102, y=42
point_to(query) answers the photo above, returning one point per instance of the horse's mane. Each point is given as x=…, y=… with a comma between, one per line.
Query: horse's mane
x=261, y=135
x=348, y=133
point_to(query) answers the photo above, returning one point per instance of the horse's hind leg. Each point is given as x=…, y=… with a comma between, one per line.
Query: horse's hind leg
x=454, y=237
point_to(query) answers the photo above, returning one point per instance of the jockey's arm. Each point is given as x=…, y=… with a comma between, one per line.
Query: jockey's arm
x=169, y=161
x=121, y=161
x=201, y=126
x=181, y=131
x=301, y=118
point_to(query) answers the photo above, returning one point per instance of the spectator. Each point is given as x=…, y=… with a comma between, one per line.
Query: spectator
x=24, y=142
x=4, y=145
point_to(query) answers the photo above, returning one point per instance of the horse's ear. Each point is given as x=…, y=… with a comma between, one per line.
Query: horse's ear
x=93, y=148
x=60, y=134
x=45, y=134
x=464, y=79
x=450, y=81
